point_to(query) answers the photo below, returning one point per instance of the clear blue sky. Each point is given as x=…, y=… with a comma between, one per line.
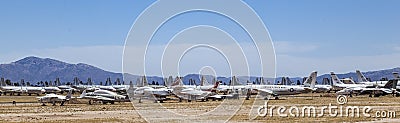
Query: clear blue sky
x=323, y=35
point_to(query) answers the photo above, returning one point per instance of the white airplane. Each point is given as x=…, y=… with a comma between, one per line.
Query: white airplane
x=190, y=93
x=33, y=90
x=20, y=89
x=65, y=88
x=54, y=98
x=363, y=80
x=120, y=88
x=11, y=90
x=278, y=90
x=389, y=88
x=159, y=94
x=103, y=96
x=108, y=85
x=349, y=89
x=318, y=88
x=51, y=90
x=339, y=85
x=90, y=87
x=234, y=86
x=205, y=86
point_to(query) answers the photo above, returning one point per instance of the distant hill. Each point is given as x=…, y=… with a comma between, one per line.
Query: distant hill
x=34, y=69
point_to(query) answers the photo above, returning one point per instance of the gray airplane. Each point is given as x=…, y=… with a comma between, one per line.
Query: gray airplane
x=54, y=98
x=103, y=96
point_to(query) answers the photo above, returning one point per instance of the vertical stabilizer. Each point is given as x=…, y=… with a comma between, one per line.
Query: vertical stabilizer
x=178, y=82
x=83, y=94
x=234, y=81
x=311, y=80
x=335, y=79
x=69, y=95
x=145, y=83
x=396, y=75
x=361, y=77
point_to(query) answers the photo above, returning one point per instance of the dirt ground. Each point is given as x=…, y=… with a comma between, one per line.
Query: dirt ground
x=28, y=109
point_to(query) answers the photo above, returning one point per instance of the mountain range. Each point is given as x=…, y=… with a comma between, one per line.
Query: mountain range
x=34, y=69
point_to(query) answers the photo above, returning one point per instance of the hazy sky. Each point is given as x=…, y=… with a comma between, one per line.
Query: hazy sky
x=325, y=35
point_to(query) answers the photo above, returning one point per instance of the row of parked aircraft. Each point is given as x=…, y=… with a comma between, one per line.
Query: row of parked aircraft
x=206, y=91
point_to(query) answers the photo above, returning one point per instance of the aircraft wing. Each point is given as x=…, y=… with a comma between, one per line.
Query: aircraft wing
x=265, y=91
x=98, y=98
x=220, y=96
x=160, y=93
x=194, y=93
x=105, y=98
x=377, y=89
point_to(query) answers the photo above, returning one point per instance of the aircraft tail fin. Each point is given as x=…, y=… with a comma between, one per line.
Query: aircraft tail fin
x=394, y=86
x=216, y=85
x=361, y=77
x=69, y=95
x=58, y=82
x=144, y=80
x=131, y=84
x=335, y=79
x=311, y=80
x=391, y=84
x=83, y=94
x=178, y=82
x=2, y=82
x=203, y=81
x=396, y=75
x=234, y=81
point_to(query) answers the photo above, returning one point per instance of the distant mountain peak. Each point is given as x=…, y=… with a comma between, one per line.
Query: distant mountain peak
x=37, y=60
x=34, y=69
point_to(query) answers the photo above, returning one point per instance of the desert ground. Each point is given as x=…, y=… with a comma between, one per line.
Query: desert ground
x=27, y=109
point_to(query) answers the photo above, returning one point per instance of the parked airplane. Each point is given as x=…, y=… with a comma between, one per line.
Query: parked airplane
x=278, y=90
x=65, y=88
x=33, y=90
x=54, y=98
x=234, y=86
x=349, y=89
x=363, y=80
x=20, y=89
x=103, y=96
x=339, y=85
x=190, y=93
x=159, y=94
x=51, y=90
x=11, y=90
x=387, y=89
x=205, y=86
x=318, y=88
